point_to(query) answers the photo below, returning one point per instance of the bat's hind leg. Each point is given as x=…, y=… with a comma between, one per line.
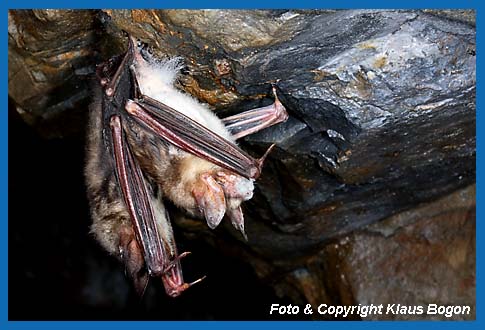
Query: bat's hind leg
x=254, y=120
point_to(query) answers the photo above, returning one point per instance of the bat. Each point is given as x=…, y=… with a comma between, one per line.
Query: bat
x=147, y=141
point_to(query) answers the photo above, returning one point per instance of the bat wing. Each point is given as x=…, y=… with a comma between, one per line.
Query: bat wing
x=151, y=225
x=190, y=136
x=150, y=240
x=135, y=193
x=187, y=134
x=150, y=220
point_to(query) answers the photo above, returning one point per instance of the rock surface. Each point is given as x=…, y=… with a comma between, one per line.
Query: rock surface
x=50, y=66
x=382, y=119
x=418, y=257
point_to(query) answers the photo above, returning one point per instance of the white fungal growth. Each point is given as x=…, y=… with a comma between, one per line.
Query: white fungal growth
x=156, y=79
x=335, y=134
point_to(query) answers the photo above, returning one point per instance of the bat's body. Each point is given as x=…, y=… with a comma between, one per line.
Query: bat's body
x=182, y=170
x=149, y=141
x=156, y=80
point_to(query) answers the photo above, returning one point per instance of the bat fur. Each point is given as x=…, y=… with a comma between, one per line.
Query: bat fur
x=196, y=185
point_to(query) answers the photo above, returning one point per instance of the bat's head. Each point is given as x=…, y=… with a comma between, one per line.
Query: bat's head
x=235, y=186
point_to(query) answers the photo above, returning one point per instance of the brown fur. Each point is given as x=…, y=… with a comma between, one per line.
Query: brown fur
x=108, y=210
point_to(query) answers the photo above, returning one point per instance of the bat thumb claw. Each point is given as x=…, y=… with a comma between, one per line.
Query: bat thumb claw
x=260, y=161
x=273, y=89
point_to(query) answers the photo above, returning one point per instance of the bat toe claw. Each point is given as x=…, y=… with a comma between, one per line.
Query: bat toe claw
x=196, y=281
x=175, y=261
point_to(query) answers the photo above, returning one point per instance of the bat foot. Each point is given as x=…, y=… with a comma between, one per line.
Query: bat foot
x=175, y=261
x=172, y=278
x=132, y=257
x=176, y=290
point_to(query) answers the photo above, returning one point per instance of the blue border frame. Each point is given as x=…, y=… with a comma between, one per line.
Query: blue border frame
x=284, y=4
x=10, y=4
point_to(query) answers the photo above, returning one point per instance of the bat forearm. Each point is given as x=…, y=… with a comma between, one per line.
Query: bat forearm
x=192, y=137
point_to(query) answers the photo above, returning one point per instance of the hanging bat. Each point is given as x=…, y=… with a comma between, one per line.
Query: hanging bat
x=148, y=141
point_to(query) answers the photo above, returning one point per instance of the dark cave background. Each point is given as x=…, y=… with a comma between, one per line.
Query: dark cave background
x=57, y=271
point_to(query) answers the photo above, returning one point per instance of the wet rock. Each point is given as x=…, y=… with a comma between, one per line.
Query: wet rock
x=51, y=62
x=416, y=258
